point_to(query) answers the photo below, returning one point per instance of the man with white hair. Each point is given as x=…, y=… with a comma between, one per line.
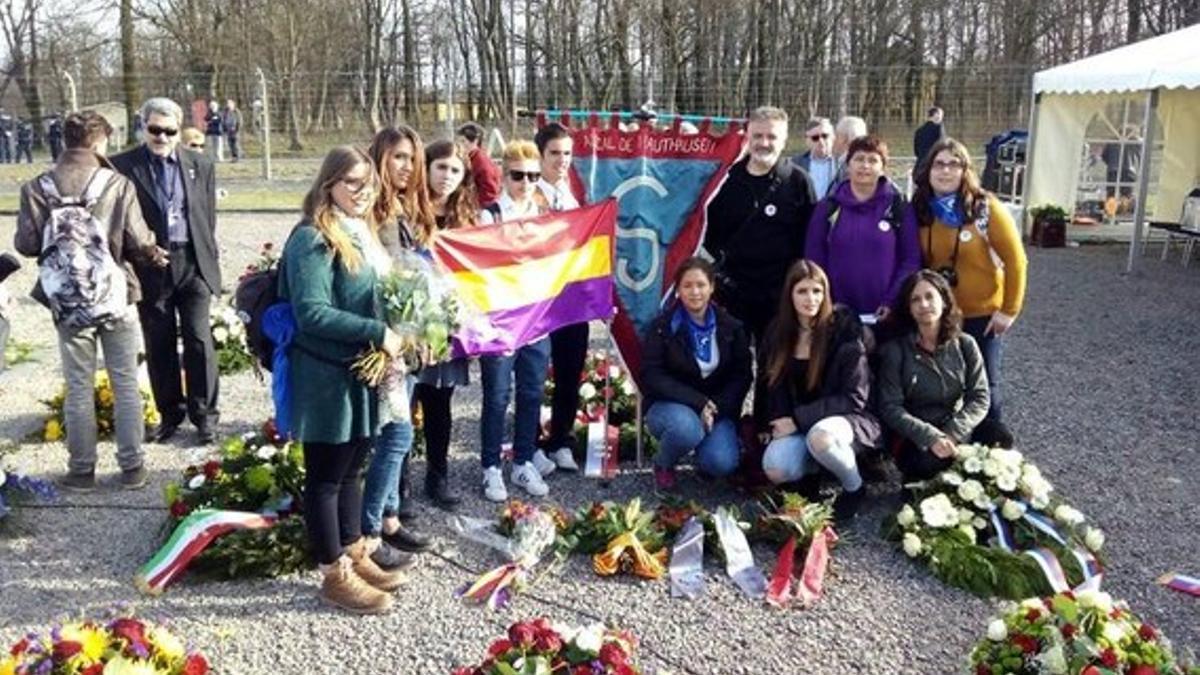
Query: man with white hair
x=848, y=128
x=176, y=189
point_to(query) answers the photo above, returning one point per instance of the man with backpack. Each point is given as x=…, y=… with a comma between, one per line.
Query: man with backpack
x=82, y=221
x=176, y=189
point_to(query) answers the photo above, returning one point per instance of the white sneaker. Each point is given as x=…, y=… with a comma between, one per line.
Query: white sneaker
x=565, y=459
x=493, y=485
x=543, y=463
x=526, y=475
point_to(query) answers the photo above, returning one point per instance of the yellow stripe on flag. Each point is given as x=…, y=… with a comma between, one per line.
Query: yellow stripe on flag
x=511, y=286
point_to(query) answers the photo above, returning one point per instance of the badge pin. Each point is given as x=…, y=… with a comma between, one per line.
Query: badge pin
x=770, y=210
x=884, y=226
x=192, y=174
x=964, y=236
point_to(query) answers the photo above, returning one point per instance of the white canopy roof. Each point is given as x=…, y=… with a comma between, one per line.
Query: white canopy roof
x=1169, y=61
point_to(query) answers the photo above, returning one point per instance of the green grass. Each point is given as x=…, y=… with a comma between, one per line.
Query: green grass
x=17, y=352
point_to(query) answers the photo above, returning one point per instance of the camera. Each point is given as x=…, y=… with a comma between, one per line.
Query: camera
x=950, y=275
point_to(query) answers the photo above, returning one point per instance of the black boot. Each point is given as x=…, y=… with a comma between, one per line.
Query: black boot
x=845, y=507
x=408, y=539
x=437, y=478
x=407, y=510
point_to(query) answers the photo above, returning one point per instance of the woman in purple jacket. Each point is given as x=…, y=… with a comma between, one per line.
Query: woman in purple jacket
x=864, y=233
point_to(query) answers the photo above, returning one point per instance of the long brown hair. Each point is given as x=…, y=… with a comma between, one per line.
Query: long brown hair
x=462, y=207
x=412, y=202
x=949, y=326
x=784, y=332
x=970, y=194
x=318, y=203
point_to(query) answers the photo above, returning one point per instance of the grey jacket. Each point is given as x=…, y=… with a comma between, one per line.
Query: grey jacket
x=924, y=397
x=130, y=241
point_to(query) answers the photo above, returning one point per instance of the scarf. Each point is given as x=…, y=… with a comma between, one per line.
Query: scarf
x=701, y=334
x=946, y=209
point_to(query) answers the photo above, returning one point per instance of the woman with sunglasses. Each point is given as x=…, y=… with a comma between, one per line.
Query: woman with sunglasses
x=527, y=366
x=452, y=197
x=969, y=236
x=402, y=210
x=330, y=268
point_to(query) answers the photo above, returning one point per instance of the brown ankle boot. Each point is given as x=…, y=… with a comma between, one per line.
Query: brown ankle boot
x=344, y=589
x=360, y=557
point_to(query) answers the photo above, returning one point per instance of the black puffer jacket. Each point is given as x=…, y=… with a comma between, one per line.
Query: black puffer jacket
x=670, y=372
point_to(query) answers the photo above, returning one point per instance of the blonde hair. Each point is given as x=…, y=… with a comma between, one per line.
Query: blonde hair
x=319, y=206
x=521, y=151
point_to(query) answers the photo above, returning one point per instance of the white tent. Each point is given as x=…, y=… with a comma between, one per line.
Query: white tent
x=1162, y=76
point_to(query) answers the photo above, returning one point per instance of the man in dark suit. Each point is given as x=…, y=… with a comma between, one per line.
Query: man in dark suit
x=176, y=189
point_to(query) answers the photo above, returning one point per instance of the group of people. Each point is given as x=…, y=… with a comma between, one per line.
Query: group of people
x=17, y=136
x=791, y=283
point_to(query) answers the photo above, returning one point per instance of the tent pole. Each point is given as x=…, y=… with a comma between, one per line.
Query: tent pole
x=1027, y=185
x=1139, y=213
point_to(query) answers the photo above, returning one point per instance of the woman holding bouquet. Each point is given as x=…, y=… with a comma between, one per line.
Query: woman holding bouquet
x=933, y=390
x=527, y=366
x=817, y=384
x=329, y=273
x=404, y=216
x=696, y=372
x=452, y=196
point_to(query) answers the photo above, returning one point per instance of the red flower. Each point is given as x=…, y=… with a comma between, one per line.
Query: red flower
x=548, y=641
x=522, y=634
x=211, y=469
x=195, y=665
x=65, y=650
x=131, y=630
x=1027, y=643
x=498, y=648
x=582, y=669
x=1147, y=632
x=94, y=669
x=612, y=654
x=1032, y=615
x=1143, y=669
x=180, y=509
x=19, y=648
x=1090, y=670
x=1069, y=630
x=1109, y=658
x=981, y=669
x=270, y=430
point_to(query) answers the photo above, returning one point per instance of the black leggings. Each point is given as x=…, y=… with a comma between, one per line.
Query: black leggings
x=333, y=496
x=568, y=352
x=435, y=408
x=918, y=464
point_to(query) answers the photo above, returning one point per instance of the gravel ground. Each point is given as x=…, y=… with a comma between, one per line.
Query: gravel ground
x=1096, y=390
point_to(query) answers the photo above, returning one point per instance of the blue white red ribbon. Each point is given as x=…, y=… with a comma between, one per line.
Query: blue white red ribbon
x=1046, y=559
x=1182, y=583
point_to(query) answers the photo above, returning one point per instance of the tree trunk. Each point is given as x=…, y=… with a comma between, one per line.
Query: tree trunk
x=129, y=77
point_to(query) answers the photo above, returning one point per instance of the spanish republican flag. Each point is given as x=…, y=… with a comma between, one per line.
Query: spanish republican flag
x=523, y=279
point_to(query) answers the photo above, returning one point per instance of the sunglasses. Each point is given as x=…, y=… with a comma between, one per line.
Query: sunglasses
x=531, y=176
x=161, y=131
x=818, y=137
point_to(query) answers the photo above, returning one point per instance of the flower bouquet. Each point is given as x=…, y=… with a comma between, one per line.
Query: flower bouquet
x=795, y=523
x=124, y=645
x=1077, y=634
x=536, y=647
x=15, y=487
x=523, y=534
x=251, y=494
x=229, y=340
x=267, y=260
x=420, y=304
x=55, y=428
x=620, y=538
x=991, y=525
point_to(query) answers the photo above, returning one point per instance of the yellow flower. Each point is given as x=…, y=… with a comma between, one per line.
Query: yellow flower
x=94, y=642
x=166, y=644
x=106, y=397
x=8, y=666
x=124, y=666
x=101, y=378
x=53, y=430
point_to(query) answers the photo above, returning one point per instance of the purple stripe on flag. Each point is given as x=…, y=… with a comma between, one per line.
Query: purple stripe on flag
x=510, y=329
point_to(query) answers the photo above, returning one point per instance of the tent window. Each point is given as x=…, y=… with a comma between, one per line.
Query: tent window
x=1112, y=162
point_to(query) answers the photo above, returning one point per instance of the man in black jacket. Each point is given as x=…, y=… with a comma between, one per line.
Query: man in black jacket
x=927, y=134
x=757, y=222
x=176, y=189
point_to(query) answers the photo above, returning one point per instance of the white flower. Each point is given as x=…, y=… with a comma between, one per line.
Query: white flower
x=1115, y=631
x=966, y=529
x=970, y=490
x=220, y=334
x=627, y=387
x=614, y=371
x=991, y=467
x=266, y=452
x=1040, y=501
x=196, y=482
x=906, y=516
x=587, y=390
x=966, y=451
x=1033, y=603
x=589, y=639
x=1092, y=599
x=1012, y=510
x=1093, y=538
x=980, y=523
x=1067, y=515
x=912, y=545
x=236, y=329
x=951, y=478
x=1006, y=482
x=1030, y=472
x=965, y=516
x=1011, y=458
x=983, y=503
x=997, y=631
x=938, y=511
x=1054, y=661
x=973, y=465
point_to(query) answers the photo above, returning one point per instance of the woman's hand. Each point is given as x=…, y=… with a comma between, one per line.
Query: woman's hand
x=393, y=344
x=882, y=312
x=943, y=448
x=782, y=426
x=999, y=324
x=708, y=416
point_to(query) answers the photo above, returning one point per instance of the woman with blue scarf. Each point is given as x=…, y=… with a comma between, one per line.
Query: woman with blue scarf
x=696, y=371
x=969, y=238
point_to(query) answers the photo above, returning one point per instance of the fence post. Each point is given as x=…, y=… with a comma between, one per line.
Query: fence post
x=72, y=98
x=265, y=122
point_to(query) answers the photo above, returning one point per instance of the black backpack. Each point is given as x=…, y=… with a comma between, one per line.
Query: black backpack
x=256, y=292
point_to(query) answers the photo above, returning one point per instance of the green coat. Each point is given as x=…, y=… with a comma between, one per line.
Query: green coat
x=338, y=315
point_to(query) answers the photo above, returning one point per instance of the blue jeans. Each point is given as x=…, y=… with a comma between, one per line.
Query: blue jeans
x=679, y=431
x=528, y=367
x=787, y=459
x=381, y=494
x=992, y=348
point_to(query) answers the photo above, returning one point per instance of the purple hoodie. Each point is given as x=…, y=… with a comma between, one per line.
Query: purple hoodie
x=865, y=257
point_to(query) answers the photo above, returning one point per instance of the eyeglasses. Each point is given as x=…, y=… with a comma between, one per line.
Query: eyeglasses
x=357, y=185
x=952, y=165
x=161, y=131
x=818, y=137
x=531, y=176
x=196, y=146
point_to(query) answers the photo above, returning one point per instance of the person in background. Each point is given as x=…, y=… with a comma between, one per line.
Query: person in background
x=54, y=136
x=24, y=142
x=818, y=162
x=927, y=134
x=818, y=385
x=330, y=280
x=192, y=139
x=970, y=237
x=8, y=265
x=864, y=234
x=483, y=169
x=696, y=372
x=214, y=131
x=231, y=122
x=848, y=128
